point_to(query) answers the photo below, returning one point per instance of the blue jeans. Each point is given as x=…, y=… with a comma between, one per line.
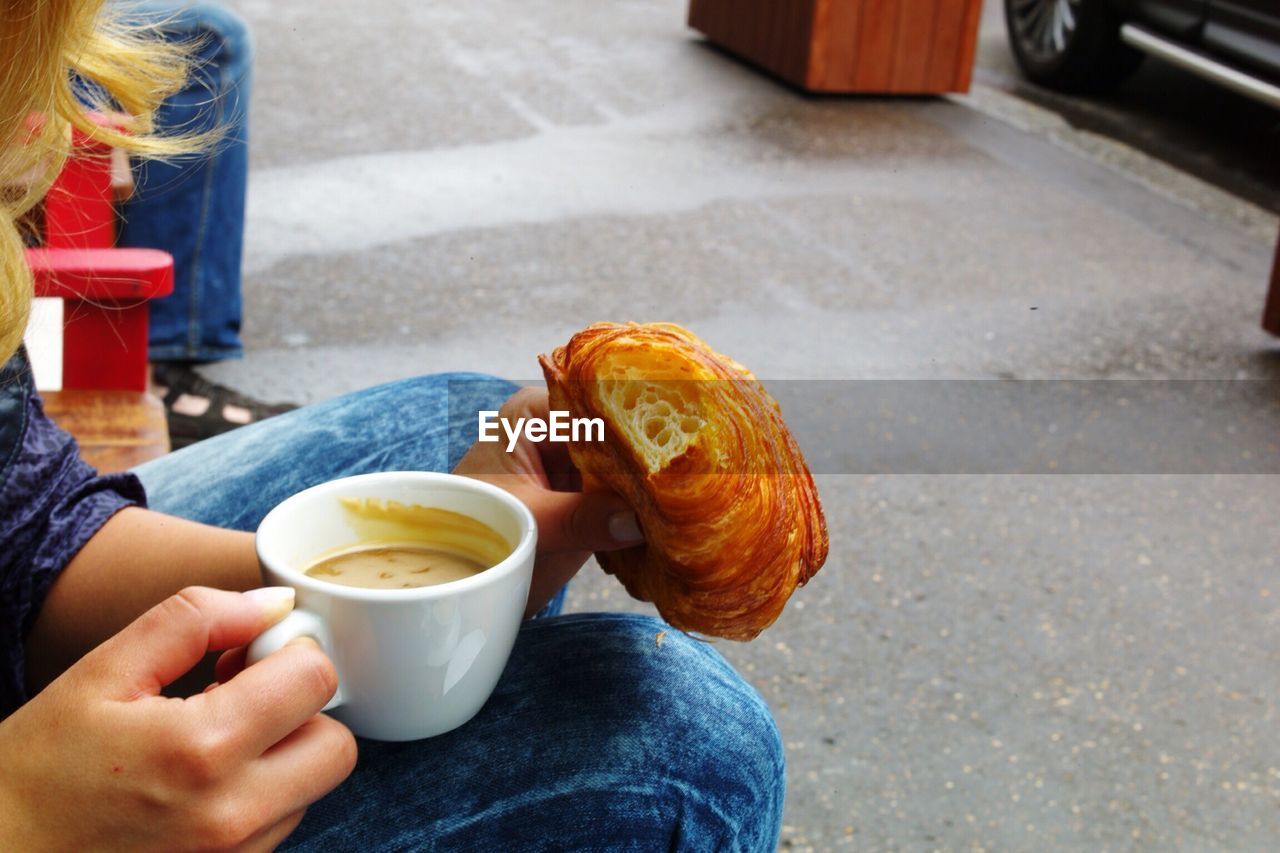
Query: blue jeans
x=193, y=206
x=598, y=737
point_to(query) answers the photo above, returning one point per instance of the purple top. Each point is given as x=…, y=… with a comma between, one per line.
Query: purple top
x=51, y=503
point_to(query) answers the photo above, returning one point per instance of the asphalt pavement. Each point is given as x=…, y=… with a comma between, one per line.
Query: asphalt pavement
x=999, y=661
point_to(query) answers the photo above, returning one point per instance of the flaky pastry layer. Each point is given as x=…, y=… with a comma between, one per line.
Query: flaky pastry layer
x=695, y=444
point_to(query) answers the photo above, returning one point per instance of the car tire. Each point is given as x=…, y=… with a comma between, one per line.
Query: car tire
x=1070, y=45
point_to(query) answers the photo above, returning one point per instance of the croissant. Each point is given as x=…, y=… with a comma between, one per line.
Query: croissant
x=730, y=512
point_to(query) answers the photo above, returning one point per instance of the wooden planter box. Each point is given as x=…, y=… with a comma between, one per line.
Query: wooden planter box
x=904, y=47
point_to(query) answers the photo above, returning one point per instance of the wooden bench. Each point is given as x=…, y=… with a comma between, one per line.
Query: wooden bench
x=102, y=399
x=115, y=429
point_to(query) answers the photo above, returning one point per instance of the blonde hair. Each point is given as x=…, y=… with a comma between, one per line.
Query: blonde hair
x=49, y=51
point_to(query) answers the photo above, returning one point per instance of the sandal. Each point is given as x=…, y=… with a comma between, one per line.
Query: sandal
x=197, y=408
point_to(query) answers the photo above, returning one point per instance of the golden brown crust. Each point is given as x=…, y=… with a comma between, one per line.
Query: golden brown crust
x=730, y=512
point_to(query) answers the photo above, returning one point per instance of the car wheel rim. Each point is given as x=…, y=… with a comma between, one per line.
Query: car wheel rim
x=1044, y=28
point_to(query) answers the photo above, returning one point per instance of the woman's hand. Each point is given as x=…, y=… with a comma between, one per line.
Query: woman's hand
x=121, y=175
x=100, y=760
x=571, y=524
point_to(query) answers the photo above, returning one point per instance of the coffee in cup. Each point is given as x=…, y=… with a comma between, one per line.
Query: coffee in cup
x=406, y=546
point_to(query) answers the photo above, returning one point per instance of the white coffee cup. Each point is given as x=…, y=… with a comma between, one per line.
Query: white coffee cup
x=412, y=663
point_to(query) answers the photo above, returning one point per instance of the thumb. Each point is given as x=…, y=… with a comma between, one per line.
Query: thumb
x=172, y=637
x=583, y=521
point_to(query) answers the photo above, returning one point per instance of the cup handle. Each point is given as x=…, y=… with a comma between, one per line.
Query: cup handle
x=299, y=623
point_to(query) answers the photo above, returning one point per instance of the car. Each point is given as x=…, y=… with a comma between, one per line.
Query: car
x=1091, y=46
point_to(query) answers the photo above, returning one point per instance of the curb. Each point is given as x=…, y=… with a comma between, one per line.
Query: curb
x=1151, y=173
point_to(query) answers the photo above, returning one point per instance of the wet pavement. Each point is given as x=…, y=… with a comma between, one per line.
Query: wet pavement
x=987, y=661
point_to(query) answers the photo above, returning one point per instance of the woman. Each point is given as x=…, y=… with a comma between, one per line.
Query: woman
x=597, y=736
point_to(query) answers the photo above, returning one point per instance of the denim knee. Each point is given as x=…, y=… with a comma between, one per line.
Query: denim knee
x=710, y=735
x=608, y=731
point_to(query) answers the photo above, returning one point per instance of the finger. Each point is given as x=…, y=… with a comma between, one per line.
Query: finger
x=121, y=175
x=229, y=664
x=528, y=458
x=557, y=467
x=562, y=476
x=554, y=455
x=265, y=702
x=489, y=460
x=550, y=573
x=527, y=402
x=172, y=637
x=582, y=521
x=306, y=765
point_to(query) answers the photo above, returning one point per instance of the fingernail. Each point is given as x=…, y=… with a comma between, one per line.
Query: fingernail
x=625, y=528
x=275, y=600
x=303, y=641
